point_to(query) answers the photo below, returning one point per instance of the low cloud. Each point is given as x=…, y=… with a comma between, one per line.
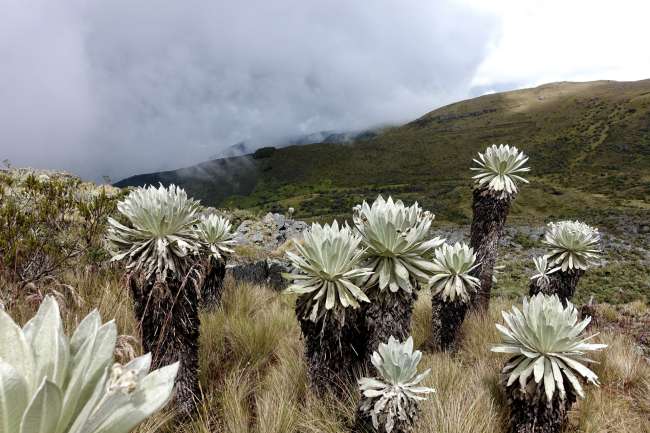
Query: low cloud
x=122, y=87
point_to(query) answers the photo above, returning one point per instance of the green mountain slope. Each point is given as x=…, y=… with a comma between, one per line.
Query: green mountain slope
x=589, y=148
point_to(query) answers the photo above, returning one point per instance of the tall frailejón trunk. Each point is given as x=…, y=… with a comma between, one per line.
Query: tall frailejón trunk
x=490, y=213
x=334, y=349
x=531, y=412
x=388, y=314
x=446, y=320
x=212, y=289
x=560, y=283
x=363, y=419
x=168, y=315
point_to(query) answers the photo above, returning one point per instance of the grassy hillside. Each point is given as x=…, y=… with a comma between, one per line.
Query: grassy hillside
x=589, y=148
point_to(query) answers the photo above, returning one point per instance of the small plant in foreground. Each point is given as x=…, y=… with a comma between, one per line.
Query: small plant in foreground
x=161, y=250
x=499, y=171
x=398, y=242
x=390, y=401
x=216, y=240
x=328, y=270
x=452, y=287
x=541, y=379
x=50, y=383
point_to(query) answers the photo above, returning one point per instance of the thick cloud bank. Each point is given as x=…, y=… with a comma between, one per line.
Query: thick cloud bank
x=121, y=87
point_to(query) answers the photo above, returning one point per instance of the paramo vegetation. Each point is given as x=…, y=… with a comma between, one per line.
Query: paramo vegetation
x=383, y=326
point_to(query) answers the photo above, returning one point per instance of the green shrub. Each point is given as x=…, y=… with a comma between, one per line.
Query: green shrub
x=49, y=224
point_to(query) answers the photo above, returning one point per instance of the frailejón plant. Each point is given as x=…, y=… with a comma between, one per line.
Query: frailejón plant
x=328, y=270
x=453, y=286
x=390, y=400
x=216, y=240
x=55, y=384
x=573, y=244
x=451, y=278
x=163, y=232
x=161, y=247
x=216, y=236
x=496, y=186
x=544, y=339
x=397, y=240
x=398, y=248
x=543, y=271
x=499, y=169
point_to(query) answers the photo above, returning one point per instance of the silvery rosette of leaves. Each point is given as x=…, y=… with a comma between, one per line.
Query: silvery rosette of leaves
x=397, y=241
x=547, y=346
x=327, y=268
x=543, y=270
x=216, y=236
x=500, y=168
x=162, y=232
x=573, y=244
x=390, y=396
x=451, y=278
x=49, y=383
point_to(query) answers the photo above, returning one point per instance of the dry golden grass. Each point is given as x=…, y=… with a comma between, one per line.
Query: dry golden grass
x=254, y=379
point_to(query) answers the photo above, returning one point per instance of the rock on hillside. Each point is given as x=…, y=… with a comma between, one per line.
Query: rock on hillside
x=270, y=232
x=259, y=254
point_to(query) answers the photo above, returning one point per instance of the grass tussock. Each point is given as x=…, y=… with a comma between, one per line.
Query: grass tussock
x=254, y=379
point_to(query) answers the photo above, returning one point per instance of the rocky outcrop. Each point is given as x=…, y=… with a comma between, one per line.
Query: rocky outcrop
x=270, y=232
x=259, y=261
x=263, y=271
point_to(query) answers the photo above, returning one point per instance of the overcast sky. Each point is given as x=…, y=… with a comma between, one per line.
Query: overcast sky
x=118, y=87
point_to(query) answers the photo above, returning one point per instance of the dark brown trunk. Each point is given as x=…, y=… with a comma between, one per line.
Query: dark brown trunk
x=446, y=320
x=168, y=315
x=334, y=350
x=388, y=314
x=533, y=413
x=561, y=283
x=490, y=214
x=363, y=420
x=212, y=289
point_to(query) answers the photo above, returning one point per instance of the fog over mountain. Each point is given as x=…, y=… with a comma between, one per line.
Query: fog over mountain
x=121, y=87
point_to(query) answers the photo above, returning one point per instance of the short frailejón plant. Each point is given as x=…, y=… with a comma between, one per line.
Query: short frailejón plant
x=328, y=264
x=216, y=240
x=390, y=401
x=452, y=286
x=398, y=244
x=573, y=248
x=549, y=356
x=451, y=278
x=573, y=245
x=327, y=273
x=161, y=248
x=542, y=277
x=50, y=383
x=499, y=172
